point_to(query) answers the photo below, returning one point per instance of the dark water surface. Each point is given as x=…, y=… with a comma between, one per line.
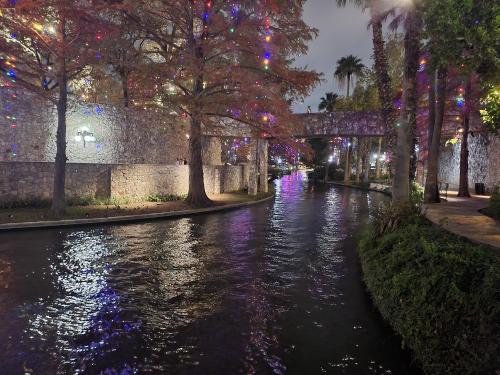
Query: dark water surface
x=275, y=288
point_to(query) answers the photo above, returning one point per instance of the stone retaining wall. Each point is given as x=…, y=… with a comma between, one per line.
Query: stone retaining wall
x=484, y=162
x=28, y=127
x=33, y=180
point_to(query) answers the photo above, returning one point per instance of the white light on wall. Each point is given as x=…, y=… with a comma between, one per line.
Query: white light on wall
x=84, y=135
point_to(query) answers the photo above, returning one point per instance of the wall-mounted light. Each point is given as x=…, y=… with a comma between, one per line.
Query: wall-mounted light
x=84, y=134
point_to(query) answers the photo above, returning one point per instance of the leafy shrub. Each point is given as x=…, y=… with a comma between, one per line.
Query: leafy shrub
x=416, y=193
x=494, y=209
x=34, y=202
x=164, y=197
x=389, y=217
x=438, y=291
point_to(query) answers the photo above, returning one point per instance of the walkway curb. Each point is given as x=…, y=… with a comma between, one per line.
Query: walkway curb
x=128, y=218
x=466, y=220
x=357, y=187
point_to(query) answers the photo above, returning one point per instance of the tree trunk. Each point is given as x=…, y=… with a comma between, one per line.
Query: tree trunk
x=197, y=195
x=347, y=171
x=366, y=160
x=383, y=78
x=60, y=162
x=348, y=83
x=432, y=110
x=431, y=194
x=58, y=193
x=463, y=187
x=407, y=120
x=124, y=79
x=359, y=159
x=377, y=162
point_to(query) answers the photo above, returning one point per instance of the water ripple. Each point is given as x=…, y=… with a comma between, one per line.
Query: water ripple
x=273, y=289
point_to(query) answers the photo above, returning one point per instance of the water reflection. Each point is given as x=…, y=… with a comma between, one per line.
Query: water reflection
x=270, y=289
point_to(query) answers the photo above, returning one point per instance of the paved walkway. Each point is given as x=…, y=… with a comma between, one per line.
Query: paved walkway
x=129, y=218
x=461, y=216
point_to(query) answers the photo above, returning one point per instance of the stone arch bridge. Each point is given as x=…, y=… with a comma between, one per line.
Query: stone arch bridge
x=316, y=125
x=308, y=125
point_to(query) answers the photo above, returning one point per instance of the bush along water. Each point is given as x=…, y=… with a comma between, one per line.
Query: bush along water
x=438, y=291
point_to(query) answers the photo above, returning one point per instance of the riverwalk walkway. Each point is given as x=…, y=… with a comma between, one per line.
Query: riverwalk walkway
x=462, y=217
x=21, y=219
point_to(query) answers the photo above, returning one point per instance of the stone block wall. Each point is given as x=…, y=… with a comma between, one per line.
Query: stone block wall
x=234, y=177
x=33, y=180
x=484, y=162
x=140, y=180
x=122, y=135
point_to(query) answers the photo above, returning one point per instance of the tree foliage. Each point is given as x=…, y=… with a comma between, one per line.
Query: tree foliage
x=347, y=68
x=328, y=102
x=490, y=109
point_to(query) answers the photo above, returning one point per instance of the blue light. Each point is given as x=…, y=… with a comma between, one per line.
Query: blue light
x=11, y=73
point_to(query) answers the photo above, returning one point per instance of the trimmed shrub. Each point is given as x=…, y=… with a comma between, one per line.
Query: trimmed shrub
x=438, y=291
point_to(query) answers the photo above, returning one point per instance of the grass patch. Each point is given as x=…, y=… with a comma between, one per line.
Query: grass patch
x=164, y=197
x=437, y=290
x=98, y=201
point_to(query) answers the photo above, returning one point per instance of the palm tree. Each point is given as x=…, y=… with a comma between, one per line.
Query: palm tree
x=328, y=102
x=347, y=67
x=410, y=17
x=380, y=57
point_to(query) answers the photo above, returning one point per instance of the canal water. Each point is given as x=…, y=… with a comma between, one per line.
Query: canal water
x=271, y=289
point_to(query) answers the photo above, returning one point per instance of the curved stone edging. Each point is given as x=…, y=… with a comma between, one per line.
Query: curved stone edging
x=357, y=187
x=127, y=218
x=464, y=221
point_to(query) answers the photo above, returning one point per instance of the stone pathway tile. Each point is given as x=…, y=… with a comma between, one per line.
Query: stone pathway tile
x=461, y=216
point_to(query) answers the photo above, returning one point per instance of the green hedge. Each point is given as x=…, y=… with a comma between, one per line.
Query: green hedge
x=439, y=292
x=494, y=208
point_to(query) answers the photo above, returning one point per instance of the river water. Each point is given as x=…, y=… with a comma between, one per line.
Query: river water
x=271, y=289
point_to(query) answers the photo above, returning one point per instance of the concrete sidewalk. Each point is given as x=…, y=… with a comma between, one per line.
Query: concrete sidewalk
x=461, y=216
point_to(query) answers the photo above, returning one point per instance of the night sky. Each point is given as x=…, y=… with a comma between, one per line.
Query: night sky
x=342, y=31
